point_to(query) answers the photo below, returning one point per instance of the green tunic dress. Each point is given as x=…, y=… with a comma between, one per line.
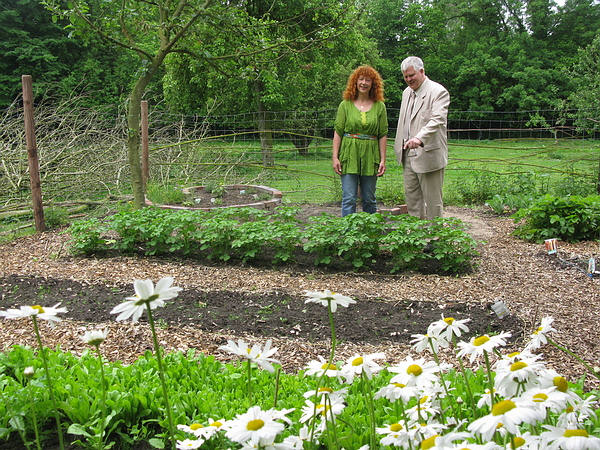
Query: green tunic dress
x=360, y=155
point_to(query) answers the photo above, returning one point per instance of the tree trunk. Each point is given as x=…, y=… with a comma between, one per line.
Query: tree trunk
x=134, y=139
x=264, y=127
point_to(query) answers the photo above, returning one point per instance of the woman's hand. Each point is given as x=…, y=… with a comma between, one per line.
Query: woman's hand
x=337, y=166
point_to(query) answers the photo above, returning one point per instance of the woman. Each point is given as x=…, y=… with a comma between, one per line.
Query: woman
x=360, y=139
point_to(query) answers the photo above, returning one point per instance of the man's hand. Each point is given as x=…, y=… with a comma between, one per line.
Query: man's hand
x=413, y=143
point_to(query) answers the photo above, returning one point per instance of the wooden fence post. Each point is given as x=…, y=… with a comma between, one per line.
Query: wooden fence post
x=34, y=168
x=145, y=140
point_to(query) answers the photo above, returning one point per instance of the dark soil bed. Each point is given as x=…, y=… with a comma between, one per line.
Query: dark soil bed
x=268, y=314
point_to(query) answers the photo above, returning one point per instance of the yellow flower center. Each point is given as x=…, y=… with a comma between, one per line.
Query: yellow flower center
x=396, y=427
x=423, y=399
x=561, y=384
x=541, y=397
x=429, y=442
x=195, y=426
x=449, y=320
x=513, y=354
x=414, y=369
x=39, y=309
x=518, y=441
x=517, y=366
x=328, y=366
x=569, y=409
x=358, y=361
x=539, y=330
x=326, y=389
x=323, y=408
x=216, y=424
x=481, y=340
x=255, y=425
x=503, y=407
x=399, y=385
x=576, y=433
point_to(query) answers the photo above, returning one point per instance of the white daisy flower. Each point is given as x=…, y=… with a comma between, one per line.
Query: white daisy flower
x=94, y=337
x=200, y=430
x=557, y=438
x=256, y=426
x=358, y=364
x=397, y=391
x=577, y=412
x=448, y=327
x=418, y=373
x=539, y=337
x=256, y=354
x=439, y=442
x=518, y=377
x=423, y=410
x=546, y=399
x=322, y=367
x=326, y=392
x=327, y=298
x=189, y=443
x=326, y=411
x=146, y=295
x=395, y=435
x=509, y=414
x=430, y=341
x=304, y=435
x=423, y=430
x=477, y=346
x=40, y=312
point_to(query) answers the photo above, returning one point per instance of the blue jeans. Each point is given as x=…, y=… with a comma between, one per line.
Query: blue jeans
x=350, y=184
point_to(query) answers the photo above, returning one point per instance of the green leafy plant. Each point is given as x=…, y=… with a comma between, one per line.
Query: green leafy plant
x=248, y=234
x=570, y=219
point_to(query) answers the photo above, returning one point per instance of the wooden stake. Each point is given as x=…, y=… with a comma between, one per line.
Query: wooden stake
x=34, y=170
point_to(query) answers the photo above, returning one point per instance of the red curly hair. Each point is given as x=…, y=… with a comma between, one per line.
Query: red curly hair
x=376, y=92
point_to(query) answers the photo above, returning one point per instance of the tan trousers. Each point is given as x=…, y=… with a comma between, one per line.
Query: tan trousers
x=423, y=192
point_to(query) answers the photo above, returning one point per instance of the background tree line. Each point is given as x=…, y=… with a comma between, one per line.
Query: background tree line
x=491, y=54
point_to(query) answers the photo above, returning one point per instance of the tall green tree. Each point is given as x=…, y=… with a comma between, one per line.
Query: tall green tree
x=31, y=44
x=154, y=30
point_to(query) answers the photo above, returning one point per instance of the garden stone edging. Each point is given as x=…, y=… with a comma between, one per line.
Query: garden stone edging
x=268, y=205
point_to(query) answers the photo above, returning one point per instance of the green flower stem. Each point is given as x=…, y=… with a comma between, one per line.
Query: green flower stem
x=490, y=378
x=329, y=363
x=103, y=405
x=162, y=377
x=61, y=441
x=437, y=361
x=34, y=417
x=371, y=408
x=464, y=374
x=569, y=352
x=249, y=379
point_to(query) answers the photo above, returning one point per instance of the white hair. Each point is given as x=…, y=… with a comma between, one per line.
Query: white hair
x=412, y=61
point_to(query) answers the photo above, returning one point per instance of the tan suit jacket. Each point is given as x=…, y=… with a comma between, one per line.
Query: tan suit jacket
x=429, y=124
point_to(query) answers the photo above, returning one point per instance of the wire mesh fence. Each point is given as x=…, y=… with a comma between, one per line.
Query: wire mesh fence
x=83, y=151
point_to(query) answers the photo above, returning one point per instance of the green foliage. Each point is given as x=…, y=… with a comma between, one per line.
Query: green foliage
x=353, y=238
x=451, y=246
x=509, y=203
x=485, y=185
x=570, y=219
x=56, y=217
x=249, y=234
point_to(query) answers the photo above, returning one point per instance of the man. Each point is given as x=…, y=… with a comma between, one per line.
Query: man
x=421, y=144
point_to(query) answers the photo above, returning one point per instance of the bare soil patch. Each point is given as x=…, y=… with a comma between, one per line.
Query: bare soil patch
x=229, y=302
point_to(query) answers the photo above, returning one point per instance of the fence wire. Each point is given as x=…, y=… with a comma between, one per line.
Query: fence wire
x=83, y=152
